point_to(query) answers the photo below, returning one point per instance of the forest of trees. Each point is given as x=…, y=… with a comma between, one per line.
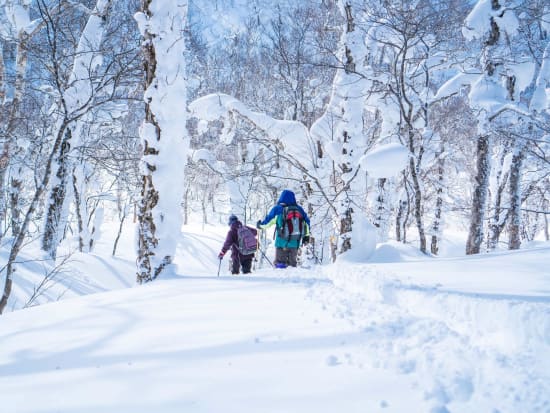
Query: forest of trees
x=102, y=101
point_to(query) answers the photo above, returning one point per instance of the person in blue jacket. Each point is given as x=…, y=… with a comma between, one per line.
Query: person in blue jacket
x=286, y=249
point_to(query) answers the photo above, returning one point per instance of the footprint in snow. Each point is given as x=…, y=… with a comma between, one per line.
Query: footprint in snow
x=332, y=360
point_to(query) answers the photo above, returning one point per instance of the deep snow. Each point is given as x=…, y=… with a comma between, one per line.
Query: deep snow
x=401, y=333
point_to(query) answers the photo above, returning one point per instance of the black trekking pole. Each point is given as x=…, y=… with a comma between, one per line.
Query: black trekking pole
x=259, y=249
x=219, y=267
x=270, y=263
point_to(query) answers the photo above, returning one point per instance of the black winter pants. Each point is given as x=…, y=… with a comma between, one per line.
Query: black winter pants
x=242, y=262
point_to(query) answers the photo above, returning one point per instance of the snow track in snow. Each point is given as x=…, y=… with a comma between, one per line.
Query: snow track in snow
x=464, y=351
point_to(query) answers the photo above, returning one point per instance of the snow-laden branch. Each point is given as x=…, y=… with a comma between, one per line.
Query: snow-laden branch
x=478, y=22
x=541, y=96
x=293, y=135
x=81, y=89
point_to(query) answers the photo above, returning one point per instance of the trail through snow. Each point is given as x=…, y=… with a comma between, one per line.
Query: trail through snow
x=403, y=336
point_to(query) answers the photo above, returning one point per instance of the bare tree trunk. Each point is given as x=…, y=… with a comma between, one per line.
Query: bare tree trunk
x=96, y=228
x=205, y=213
x=120, y=226
x=2, y=78
x=399, y=220
x=418, y=206
x=147, y=240
x=436, y=226
x=54, y=206
x=497, y=221
x=546, y=226
x=15, y=205
x=333, y=248
x=514, y=225
x=78, y=210
x=186, y=205
x=3, y=194
x=475, y=235
x=345, y=229
x=4, y=157
x=403, y=213
x=382, y=211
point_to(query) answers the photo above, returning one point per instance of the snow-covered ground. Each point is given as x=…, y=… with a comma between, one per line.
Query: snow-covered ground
x=401, y=333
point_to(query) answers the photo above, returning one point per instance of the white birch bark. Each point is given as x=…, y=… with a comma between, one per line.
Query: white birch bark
x=76, y=100
x=163, y=134
x=341, y=127
x=18, y=17
x=515, y=219
x=437, y=224
x=3, y=143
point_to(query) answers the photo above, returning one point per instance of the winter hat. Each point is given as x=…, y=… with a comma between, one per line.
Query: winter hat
x=232, y=218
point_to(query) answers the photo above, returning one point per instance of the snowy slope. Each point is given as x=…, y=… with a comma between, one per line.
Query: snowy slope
x=401, y=334
x=202, y=345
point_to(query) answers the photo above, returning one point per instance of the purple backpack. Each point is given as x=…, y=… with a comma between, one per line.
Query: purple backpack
x=247, y=240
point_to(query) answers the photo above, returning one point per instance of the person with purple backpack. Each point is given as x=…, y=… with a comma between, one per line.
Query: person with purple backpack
x=241, y=239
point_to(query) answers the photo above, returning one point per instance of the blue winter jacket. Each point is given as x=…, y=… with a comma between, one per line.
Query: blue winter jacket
x=275, y=216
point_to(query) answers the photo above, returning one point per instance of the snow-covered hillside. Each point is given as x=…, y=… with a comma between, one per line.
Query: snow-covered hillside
x=402, y=333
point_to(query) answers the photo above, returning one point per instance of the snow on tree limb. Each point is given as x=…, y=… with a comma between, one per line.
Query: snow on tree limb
x=292, y=134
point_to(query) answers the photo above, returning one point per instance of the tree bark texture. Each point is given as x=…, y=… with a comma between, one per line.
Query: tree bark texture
x=147, y=240
x=382, y=212
x=499, y=216
x=16, y=185
x=9, y=114
x=79, y=218
x=54, y=206
x=418, y=205
x=481, y=187
x=514, y=225
x=436, y=226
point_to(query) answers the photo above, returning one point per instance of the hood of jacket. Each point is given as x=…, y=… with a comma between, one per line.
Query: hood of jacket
x=287, y=197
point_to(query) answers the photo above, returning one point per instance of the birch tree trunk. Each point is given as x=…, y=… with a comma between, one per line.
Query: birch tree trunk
x=163, y=133
x=76, y=100
x=2, y=81
x=437, y=222
x=4, y=157
x=489, y=61
x=514, y=225
x=79, y=193
x=382, y=211
x=479, y=201
x=9, y=113
x=56, y=198
x=414, y=167
x=546, y=226
x=403, y=213
x=346, y=167
x=147, y=240
x=498, y=216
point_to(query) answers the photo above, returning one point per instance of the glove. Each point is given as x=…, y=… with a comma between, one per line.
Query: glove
x=220, y=255
x=259, y=224
x=305, y=240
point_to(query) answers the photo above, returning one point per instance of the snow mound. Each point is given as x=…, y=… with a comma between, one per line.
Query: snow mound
x=393, y=251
